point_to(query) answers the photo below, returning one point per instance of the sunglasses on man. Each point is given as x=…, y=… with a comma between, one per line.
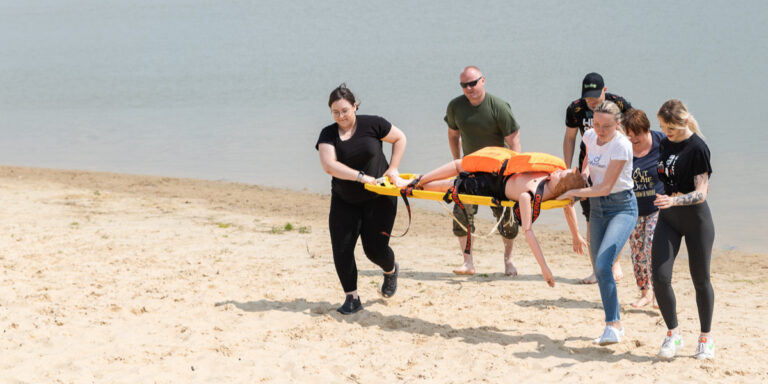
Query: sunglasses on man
x=470, y=83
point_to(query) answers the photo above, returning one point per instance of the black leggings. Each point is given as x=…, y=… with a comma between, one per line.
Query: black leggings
x=694, y=222
x=367, y=220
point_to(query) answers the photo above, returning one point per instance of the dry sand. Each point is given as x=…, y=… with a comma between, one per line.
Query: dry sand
x=131, y=279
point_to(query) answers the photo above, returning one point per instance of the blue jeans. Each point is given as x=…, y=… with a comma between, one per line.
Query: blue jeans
x=611, y=220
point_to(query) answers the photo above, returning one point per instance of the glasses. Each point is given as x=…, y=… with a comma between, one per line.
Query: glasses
x=471, y=83
x=340, y=113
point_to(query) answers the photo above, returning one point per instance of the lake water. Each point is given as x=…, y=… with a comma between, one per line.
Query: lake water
x=237, y=90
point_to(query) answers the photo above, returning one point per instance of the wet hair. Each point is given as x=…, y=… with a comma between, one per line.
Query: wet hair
x=674, y=112
x=636, y=121
x=571, y=180
x=611, y=108
x=341, y=92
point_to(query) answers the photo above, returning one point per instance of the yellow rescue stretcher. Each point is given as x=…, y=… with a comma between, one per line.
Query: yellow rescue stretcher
x=384, y=187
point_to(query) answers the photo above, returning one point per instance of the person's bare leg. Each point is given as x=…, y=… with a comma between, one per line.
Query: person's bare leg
x=468, y=268
x=591, y=279
x=646, y=297
x=509, y=267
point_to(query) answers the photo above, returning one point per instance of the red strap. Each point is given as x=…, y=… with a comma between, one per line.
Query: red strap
x=404, y=193
x=538, y=198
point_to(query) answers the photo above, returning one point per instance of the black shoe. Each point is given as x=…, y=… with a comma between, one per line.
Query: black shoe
x=351, y=305
x=389, y=286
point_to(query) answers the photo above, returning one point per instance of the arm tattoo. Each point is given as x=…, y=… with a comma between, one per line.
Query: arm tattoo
x=694, y=197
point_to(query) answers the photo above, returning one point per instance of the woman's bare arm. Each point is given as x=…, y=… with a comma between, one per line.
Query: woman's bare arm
x=527, y=224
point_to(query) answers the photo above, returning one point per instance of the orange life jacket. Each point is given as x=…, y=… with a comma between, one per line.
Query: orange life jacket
x=505, y=161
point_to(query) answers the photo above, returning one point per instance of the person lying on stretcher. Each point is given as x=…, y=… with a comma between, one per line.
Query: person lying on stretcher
x=525, y=188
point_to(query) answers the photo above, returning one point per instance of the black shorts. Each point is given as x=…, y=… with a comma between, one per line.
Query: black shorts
x=480, y=184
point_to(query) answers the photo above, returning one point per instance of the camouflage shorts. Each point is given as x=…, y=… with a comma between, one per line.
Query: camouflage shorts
x=507, y=228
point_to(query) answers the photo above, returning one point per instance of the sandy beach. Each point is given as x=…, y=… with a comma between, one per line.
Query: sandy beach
x=110, y=278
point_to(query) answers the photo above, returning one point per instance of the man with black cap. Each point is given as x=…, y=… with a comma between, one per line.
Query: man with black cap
x=578, y=119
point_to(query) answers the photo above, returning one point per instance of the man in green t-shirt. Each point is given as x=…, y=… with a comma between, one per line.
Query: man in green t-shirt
x=475, y=120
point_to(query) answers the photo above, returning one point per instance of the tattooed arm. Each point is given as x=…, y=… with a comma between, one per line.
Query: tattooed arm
x=696, y=197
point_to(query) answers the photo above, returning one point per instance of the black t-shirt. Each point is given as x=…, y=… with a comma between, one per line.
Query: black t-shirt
x=362, y=151
x=680, y=162
x=578, y=115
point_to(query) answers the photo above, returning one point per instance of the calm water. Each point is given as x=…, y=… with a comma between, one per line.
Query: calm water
x=237, y=90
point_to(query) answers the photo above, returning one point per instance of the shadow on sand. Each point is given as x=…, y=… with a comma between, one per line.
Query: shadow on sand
x=453, y=278
x=546, y=347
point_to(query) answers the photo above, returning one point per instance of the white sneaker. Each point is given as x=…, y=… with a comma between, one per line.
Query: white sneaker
x=672, y=343
x=706, y=349
x=611, y=335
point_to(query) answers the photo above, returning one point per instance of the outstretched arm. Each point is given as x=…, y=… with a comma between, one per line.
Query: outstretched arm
x=570, y=217
x=525, y=216
x=437, y=180
x=603, y=189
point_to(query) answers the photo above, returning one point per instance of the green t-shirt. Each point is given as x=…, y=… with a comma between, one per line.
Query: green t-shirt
x=481, y=126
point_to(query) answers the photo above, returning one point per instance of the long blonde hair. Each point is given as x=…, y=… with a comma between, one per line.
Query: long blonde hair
x=674, y=112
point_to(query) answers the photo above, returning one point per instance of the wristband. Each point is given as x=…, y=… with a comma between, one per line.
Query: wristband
x=360, y=176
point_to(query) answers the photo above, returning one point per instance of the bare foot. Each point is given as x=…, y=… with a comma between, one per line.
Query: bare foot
x=641, y=302
x=591, y=279
x=465, y=269
x=617, y=273
x=509, y=269
x=646, y=297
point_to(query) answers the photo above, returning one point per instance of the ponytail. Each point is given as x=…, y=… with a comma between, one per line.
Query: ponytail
x=693, y=125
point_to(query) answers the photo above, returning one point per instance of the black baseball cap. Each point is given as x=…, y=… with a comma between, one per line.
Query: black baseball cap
x=592, y=86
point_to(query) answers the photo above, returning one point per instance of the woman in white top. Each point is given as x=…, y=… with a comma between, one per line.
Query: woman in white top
x=613, y=207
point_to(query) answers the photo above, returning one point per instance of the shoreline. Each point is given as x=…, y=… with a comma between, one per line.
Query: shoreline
x=553, y=224
x=124, y=278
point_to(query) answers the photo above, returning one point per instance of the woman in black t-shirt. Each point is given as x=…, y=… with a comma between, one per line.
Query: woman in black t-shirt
x=351, y=151
x=684, y=167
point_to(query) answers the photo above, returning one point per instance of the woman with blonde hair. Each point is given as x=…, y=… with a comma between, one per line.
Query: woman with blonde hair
x=684, y=167
x=613, y=207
